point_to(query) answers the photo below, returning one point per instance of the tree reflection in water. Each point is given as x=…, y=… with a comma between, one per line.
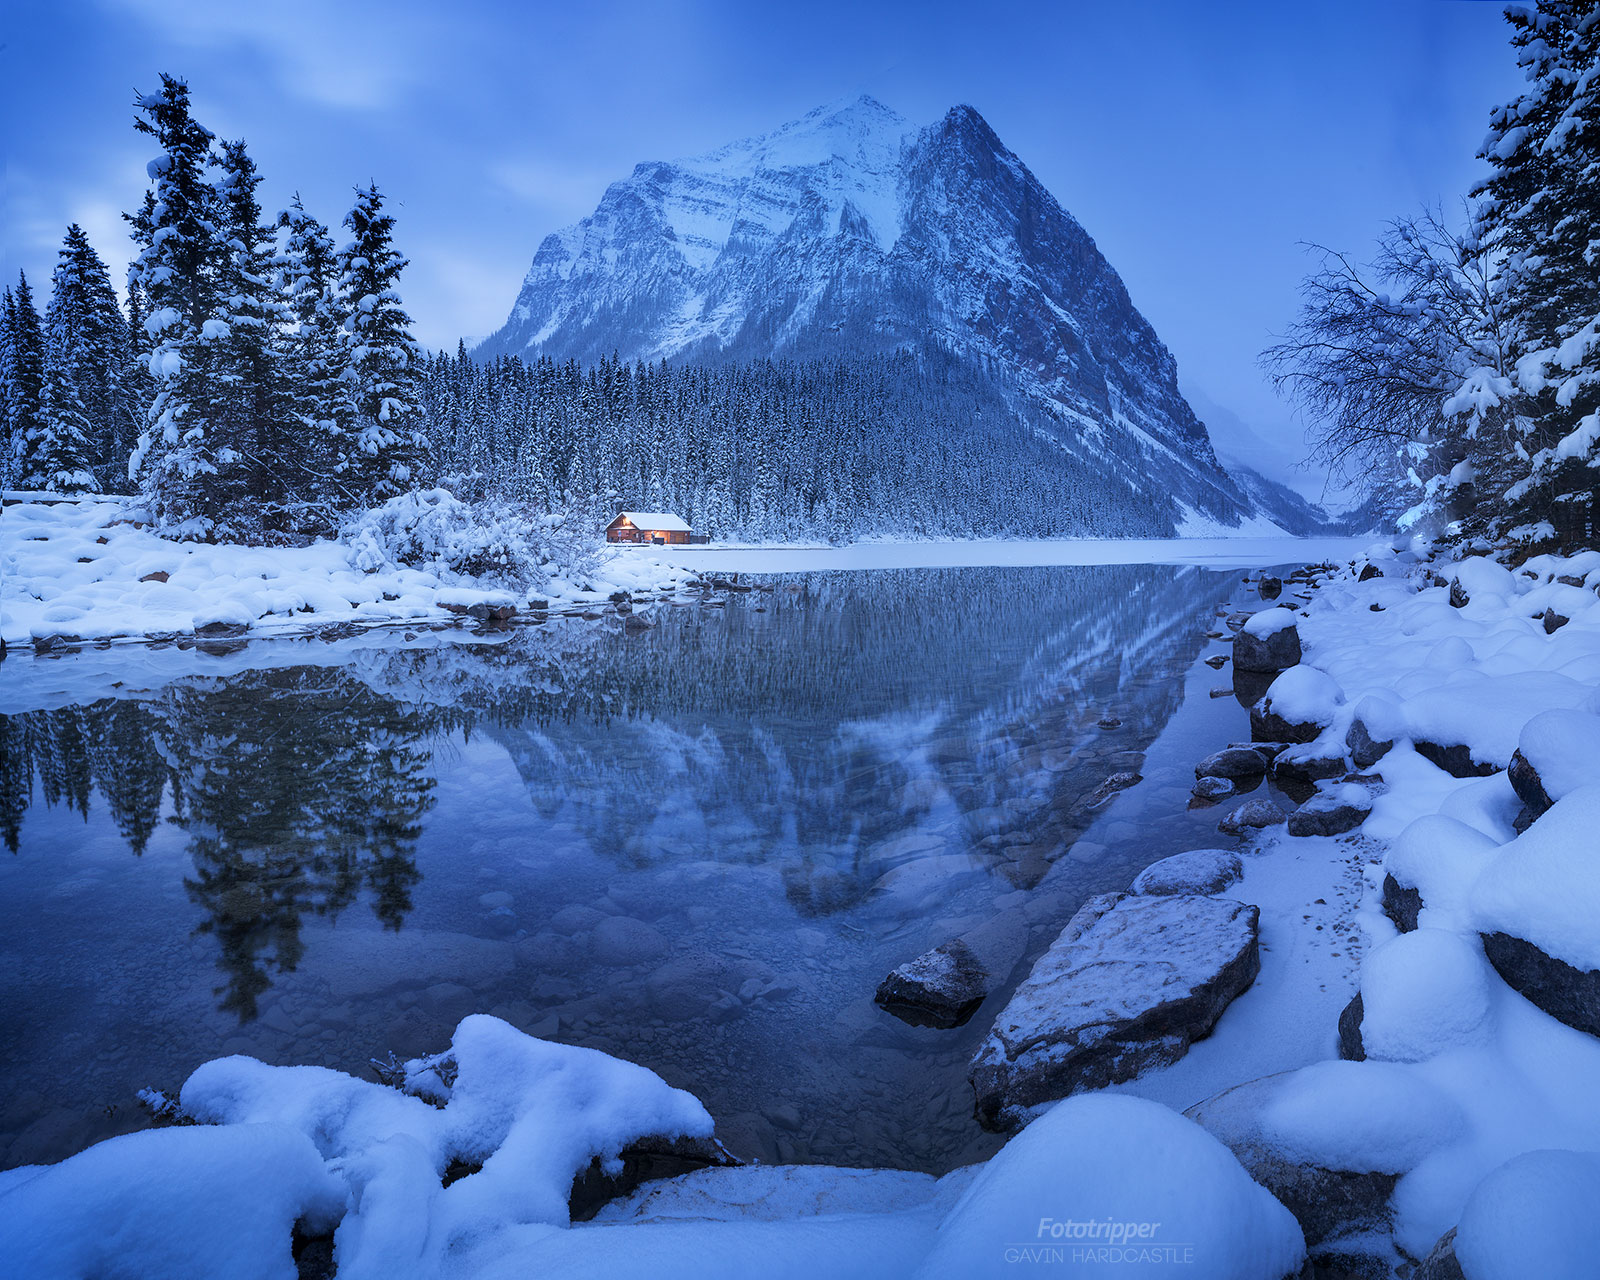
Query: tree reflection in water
x=809, y=727
x=298, y=788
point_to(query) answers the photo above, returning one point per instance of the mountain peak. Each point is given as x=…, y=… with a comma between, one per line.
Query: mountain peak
x=859, y=130
x=850, y=232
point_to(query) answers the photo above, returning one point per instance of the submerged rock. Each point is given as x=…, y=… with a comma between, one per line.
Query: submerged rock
x=622, y=940
x=940, y=988
x=944, y=987
x=1115, y=783
x=1128, y=985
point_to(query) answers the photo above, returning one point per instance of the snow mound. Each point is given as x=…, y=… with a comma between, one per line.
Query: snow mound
x=1134, y=1185
x=1544, y=888
x=1564, y=747
x=1365, y=1116
x=1533, y=1216
x=170, y=1203
x=1305, y=695
x=1421, y=993
x=1440, y=857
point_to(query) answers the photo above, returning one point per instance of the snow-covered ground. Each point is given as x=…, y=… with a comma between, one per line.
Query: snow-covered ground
x=1219, y=553
x=84, y=569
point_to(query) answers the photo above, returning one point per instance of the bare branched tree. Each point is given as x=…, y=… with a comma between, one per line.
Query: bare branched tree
x=1381, y=352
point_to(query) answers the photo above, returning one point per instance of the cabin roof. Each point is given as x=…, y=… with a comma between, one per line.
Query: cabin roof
x=662, y=520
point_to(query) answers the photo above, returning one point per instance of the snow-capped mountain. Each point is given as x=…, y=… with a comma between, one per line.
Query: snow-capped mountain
x=851, y=231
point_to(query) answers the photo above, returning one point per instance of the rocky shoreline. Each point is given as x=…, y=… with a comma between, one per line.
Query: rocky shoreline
x=1135, y=979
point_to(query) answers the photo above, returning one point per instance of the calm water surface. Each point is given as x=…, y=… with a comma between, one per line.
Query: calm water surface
x=700, y=847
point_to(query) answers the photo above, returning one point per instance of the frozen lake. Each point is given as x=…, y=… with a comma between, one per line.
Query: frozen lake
x=699, y=846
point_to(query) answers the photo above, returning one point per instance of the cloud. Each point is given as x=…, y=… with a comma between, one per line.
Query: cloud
x=450, y=293
x=38, y=212
x=566, y=191
x=357, y=55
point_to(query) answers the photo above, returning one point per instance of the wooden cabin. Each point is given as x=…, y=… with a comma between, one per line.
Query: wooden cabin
x=658, y=527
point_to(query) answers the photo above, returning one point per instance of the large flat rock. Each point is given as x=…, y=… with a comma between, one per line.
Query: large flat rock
x=1128, y=985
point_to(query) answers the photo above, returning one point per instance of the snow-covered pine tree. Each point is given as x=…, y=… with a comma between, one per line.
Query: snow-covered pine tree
x=85, y=362
x=1543, y=213
x=7, y=377
x=247, y=403
x=57, y=459
x=307, y=275
x=24, y=385
x=388, y=450
x=138, y=387
x=178, y=461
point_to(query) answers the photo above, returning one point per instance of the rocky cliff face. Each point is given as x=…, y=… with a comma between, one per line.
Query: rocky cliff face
x=852, y=231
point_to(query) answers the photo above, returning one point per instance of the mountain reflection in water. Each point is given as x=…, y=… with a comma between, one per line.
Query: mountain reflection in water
x=697, y=847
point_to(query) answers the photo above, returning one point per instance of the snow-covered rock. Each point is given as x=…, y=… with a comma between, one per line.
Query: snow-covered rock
x=1330, y=1140
x=1376, y=724
x=533, y=1115
x=1308, y=763
x=1127, y=985
x=1421, y=993
x=1269, y=641
x=1252, y=815
x=1232, y=763
x=1533, y=1216
x=1439, y=858
x=1203, y=871
x=1537, y=904
x=1557, y=752
x=1298, y=705
x=1332, y=812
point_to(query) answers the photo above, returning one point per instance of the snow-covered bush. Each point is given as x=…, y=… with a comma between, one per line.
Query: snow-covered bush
x=487, y=539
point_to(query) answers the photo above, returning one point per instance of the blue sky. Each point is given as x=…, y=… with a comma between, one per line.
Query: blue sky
x=1197, y=142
